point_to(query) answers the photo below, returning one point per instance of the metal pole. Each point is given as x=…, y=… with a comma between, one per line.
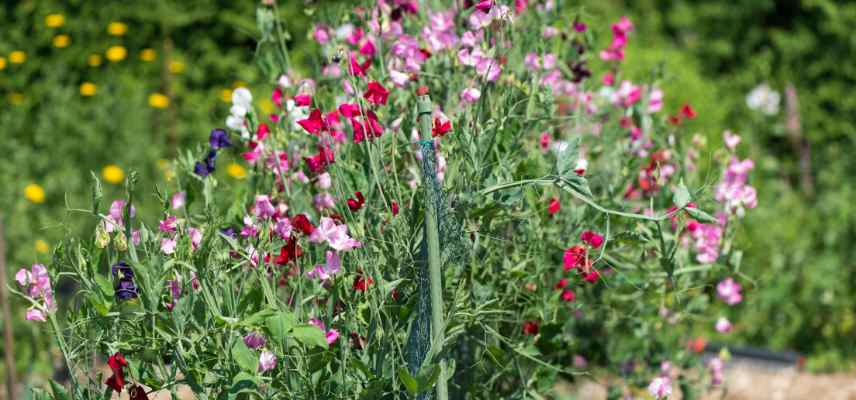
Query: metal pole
x=432, y=237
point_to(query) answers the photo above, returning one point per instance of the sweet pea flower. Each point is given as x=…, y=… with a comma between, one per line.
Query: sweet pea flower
x=255, y=340
x=168, y=245
x=332, y=335
x=168, y=224
x=335, y=235
x=267, y=361
x=716, y=375
x=723, y=325
x=326, y=271
x=195, y=237
x=470, y=95
x=263, y=208
x=34, y=314
x=178, y=200
x=660, y=387
x=729, y=291
x=324, y=181
x=731, y=140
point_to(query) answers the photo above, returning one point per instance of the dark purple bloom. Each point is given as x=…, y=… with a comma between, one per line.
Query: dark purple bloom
x=230, y=232
x=254, y=340
x=219, y=139
x=124, y=289
x=206, y=167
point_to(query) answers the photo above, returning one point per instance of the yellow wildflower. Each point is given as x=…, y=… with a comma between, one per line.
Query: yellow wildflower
x=113, y=174
x=94, y=60
x=17, y=57
x=16, y=98
x=116, y=53
x=117, y=28
x=236, y=171
x=266, y=105
x=166, y=168
x=158, y=100
x=148, y=55
x=2, y=63
x=61, y=41
x=176, y=67
x=42, y=246
x=88, y=89
x=34, y=193
x=226, y=95
x=55, y=20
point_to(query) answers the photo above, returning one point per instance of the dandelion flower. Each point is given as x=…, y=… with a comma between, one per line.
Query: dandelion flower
x=54, y=20
x=42, y=246
x=116, y=28
x=94, y=60
x=61, y=41
x=148, y=55
x=113, y=174
x=176, y=67
x=2, y=63
x=16, y=98
x=226, y=95
x=116, y=53
x=34, y=193
x=88, y=89
x=236, y=171
x=158, y=100
x=17, y=57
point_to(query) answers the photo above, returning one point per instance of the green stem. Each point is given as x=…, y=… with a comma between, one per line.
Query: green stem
x=62, y=346
x=432, y=237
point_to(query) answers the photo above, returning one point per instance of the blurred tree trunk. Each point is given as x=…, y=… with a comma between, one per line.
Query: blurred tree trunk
x=800, y=144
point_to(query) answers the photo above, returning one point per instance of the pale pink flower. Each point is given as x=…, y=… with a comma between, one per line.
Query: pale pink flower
x=335, y=235
x=324, y=272
x=731, y=139
x=723, y=325
x=549, y=32
x=716, y=375
x=323, y=200
x=283, y=228
x=267, y=361
x=168, y=245
x=399, y=79
x=195, y=237
x=532, y=61
x=178, y=200
x=23, y=277
x=655, y=100
x=324, y=181
x=660, y=387
x=549, y=61
x=729, y=291
x=34, y=314
x=470, y=95
x=264, y=208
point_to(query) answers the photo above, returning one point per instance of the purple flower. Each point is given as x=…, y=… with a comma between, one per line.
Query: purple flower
x=206, y=167
x=219, y=139
x=254, y=340
x=125, y=289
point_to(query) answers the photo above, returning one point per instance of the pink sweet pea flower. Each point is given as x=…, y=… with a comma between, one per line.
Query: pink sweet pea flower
x=34, y=314
x=731, y=139
x=267, y=361
x=470, y=95
x=324, y=272
x=723, y=325
x=660, y=387
x=178, y=200
x=335, y=235
x=729, y=291
x=168, y=224
x=264, y=208
x=168, y=245
x=195, y=237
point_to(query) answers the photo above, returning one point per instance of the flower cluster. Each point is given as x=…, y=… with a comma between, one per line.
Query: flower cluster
x=37, y=284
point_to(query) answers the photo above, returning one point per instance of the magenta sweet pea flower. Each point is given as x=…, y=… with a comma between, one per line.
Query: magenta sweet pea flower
x=168, y=224
x=660, y=387
x=729, y=291
x=267, y=361
x=326, y=271
x=723, y=325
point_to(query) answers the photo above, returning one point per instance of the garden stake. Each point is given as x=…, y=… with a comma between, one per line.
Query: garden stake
x=432, y=238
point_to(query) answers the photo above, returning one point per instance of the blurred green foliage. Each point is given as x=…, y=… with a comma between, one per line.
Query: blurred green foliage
x=67, y=109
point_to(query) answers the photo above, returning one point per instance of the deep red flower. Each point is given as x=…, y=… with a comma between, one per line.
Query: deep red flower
x=561, y=284
x=302, y=100
x=530, y=328
x=675, y=120
x=314, y=124
x=361, y=283
x=358, y=69
x=376, y=93
x=554, y=206
x=137, y=393
x=592, y=276
x=594, y=239
x=117, y=381
x=394, y=207
x=289, y=252
x=320, y=161
x=349, y=110
x=568, y=295
x=688, y=112
x=440, y=127
x=302, y=224
x=356, y=204
x=422, y=90
x=370, y=128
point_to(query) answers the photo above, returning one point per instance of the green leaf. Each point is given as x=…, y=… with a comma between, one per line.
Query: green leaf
x=700, y=215
x=243, y=383
x=310, y=335
x=427, y=377
x=280, y=324
x=567, y=158
x=258, y=317
x=681, y=197
x=104, y=284
x=245, y=357
x=408, y=381
x=59, y=392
